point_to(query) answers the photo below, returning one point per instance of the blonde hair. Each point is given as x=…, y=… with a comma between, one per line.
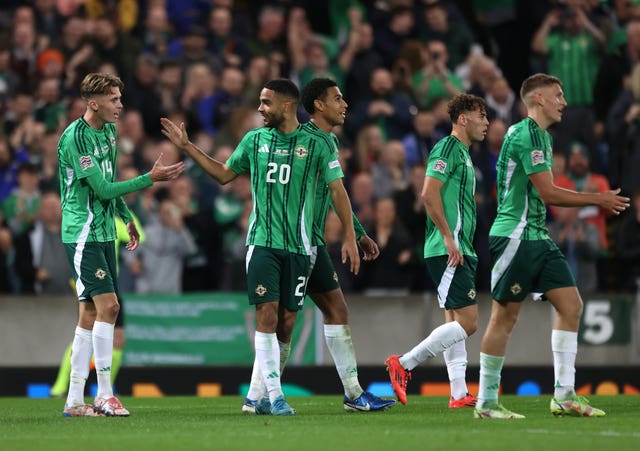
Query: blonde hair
x=99, y=84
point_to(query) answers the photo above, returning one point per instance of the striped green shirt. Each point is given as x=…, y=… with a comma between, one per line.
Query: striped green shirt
x=323, y=198
x=526, y=150
x=286, y=171
x=84, y=152
x=449, y=162
x=575, y=60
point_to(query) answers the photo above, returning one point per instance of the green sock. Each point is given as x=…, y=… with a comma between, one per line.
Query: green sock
x=61, y=385
x=115, y=364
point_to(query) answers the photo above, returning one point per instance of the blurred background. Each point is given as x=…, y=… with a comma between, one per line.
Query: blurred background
x=397, y=63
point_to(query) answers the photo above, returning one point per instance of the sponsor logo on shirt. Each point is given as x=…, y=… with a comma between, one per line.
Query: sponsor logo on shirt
x=334, y=164
x=86, y=162
x=301, y=152
x=263, y=149
x=440, y=166
x=282, y=152
x=537, y=157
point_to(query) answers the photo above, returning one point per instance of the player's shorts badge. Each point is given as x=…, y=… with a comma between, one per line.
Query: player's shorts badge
x=471, y=294
x=515, y=289
x=101, y=274
x=335, y=276
x=261, y=290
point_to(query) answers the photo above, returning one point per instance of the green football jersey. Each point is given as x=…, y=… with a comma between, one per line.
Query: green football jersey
x=83, y=151
x=323, y=197
x=286, y=171
x=526, y=150
x=450, y=162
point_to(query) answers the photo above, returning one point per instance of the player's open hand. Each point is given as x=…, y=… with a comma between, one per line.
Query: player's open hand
x=161, y=173
x=369, y=248
x=612, y=201
x=177, y=135
x=350, y=251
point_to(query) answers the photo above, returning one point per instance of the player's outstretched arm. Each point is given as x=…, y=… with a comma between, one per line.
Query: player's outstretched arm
x=343, y=209
x=554, y=195
x=106, y=190
x=178, y=136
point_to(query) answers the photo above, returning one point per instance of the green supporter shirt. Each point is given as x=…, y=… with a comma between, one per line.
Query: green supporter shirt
x=575, y=60
x=521, y=214
x=323, y=197
x=88, y=188
x=285, y=173
x=449, y=162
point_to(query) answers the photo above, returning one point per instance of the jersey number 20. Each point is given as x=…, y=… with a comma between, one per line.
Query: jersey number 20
x=283, y=173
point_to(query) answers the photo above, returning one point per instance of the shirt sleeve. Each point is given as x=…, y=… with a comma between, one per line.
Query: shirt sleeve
x=123, y=210
x=330, y=166
x=440, y=167
x=534, y=158
x=110, y=190
x=239, y=159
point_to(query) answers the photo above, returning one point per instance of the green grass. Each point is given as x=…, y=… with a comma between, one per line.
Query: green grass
x=190, y=423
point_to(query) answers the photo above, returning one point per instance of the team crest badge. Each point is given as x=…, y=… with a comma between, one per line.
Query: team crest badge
x=471, y=294
x=335, y=276
x=537, y=157
x=85, y=162
x=101, y=274
x=301, y=152
x=515, y=289
x=112, y=140
x=440, y=166
x=261, y=290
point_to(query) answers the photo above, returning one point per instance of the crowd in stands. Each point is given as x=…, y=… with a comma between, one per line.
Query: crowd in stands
x=397, y=63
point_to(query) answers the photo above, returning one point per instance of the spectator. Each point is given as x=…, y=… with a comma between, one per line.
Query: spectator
x=389, y=109
x=199, y=272
x=421, y=139
x=502, y=102
x=48, y=162
x=223, y=42
x=389, y=36
x=572, y=45
x=361, y=194
x=435, y=81
x=580, y=178
x=132, y=138
x=20, y=208
x=628, y=246
x=269, y=39
x=39, y=252
x=142, y=93
x=389, y=270
x=623, y=125
x=614, y=69
x=227, y=97
x=157, y=31
x=369, y=145
x=365, y=60
x=389, y=173
x=309, y=57
x=169, y=86
x=579, y=241
x=454, y=33
x=9, y=80
x=162, y=254
x=197, y=96
x=24, y=54
x=49, y=110
x=123, y=13
x=115, y=46
x=10, y=162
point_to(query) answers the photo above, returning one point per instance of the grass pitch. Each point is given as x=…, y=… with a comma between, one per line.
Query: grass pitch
x=191, y=423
